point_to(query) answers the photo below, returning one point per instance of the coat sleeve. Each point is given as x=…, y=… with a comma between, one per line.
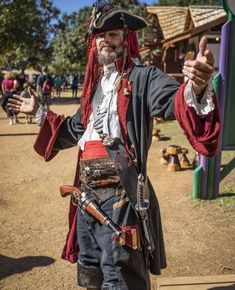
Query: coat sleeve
x=71, y=131
x=165, y=99
x=161, y=90
x=202, y=133
x=57, y=133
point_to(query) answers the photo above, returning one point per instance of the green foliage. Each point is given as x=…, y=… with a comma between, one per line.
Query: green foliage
x=188, y=2
x=69, y=45
x=30, y=34
x=25, y=32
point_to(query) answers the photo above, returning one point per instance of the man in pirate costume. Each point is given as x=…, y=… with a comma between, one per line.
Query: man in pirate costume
x=113, y=130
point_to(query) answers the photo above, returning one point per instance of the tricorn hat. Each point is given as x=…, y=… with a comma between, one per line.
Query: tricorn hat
x=108, y=17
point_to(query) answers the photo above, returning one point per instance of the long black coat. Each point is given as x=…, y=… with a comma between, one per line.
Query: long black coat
x=152, y=95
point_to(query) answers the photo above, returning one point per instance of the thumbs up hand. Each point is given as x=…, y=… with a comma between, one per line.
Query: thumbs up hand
x=201, y=69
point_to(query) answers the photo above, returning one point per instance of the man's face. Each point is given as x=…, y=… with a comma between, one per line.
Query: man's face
x=109, y=45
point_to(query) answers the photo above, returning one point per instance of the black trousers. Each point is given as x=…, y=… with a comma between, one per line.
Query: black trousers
x=4, y=101
x=46, y=99
x=103, y=262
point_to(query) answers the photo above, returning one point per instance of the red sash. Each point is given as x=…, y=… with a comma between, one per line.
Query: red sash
x=94, y=150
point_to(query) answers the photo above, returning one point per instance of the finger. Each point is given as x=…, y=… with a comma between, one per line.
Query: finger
x=196, y=79
x=199, y=65
x=202, y=45
x=14, y=108
x=199, y=73
x=15, y=101
x=209, y=57
x=17, y=97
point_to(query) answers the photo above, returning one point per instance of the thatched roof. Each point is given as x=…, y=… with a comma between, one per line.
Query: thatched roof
x=175, y=21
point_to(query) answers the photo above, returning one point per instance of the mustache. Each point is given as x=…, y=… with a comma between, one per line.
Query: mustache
x=110, y=46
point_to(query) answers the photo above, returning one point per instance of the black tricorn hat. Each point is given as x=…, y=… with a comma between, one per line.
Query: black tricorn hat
x=108, y=17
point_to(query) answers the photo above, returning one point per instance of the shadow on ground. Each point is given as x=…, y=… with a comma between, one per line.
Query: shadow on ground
x=65, y=101
x=17, y=134
x=10, y=266
x=231, y=287
x=226, y=194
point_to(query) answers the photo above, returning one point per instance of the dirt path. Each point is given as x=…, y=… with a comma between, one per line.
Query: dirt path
x=199, y=236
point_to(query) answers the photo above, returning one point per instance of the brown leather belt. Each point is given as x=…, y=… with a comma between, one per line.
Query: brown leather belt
x=98, y=172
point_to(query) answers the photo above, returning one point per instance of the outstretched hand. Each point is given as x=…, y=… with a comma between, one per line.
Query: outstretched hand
x=28, y=106
x=201, y=69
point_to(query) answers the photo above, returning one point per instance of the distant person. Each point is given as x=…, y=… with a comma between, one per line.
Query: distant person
x=74, y=86
x=57, y=85
x=70, y=80
x=63, y=86
x=21, y=78
x=45, y=87
x=1, y=80
x=34, y=81
x=9, y=86
x=25, y=94
x=81, y=79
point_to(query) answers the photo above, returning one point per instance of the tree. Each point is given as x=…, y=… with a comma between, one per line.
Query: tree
x=25, y=32
x=69, y=45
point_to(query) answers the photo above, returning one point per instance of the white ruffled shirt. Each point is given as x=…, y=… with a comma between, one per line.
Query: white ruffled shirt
x=206, y=104
x=109, y=103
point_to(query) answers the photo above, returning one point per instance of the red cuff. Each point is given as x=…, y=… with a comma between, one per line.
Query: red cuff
x=202, y=133
x=48, y=134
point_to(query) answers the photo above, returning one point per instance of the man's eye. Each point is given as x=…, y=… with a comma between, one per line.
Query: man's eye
x=101, y=35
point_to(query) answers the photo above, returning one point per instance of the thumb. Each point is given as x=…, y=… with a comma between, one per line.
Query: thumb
x=202, y=45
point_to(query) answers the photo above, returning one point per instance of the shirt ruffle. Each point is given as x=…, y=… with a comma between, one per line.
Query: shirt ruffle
x=206, y=104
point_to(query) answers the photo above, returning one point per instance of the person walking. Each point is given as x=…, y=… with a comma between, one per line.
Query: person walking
x=1, y=80
x=74, y=86
x=57, y=85
x=45, y=87
x=25, y=94
x=112, y=129
x=9, y=86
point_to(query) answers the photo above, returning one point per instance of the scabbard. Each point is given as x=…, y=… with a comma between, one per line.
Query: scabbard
x=148, y=235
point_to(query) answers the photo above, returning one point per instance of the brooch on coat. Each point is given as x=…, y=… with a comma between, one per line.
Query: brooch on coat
x=127, y=89
x=107, y=140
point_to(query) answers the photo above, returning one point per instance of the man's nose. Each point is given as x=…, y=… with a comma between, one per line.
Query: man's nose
x=106, y=37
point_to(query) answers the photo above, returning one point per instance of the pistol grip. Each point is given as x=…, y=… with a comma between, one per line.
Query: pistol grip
x=66, y=190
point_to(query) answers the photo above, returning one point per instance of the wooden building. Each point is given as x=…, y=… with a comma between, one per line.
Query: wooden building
x=173, y=35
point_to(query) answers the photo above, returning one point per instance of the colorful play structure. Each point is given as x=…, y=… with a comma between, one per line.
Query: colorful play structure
x=209, y=173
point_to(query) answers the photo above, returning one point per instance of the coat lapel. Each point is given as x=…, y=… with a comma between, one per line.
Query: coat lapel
x=124, y=96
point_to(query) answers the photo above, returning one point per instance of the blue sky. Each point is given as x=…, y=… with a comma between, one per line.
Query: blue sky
x=74, y=5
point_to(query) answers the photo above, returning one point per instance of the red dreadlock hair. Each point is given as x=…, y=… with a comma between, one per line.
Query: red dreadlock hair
x=92, y=69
